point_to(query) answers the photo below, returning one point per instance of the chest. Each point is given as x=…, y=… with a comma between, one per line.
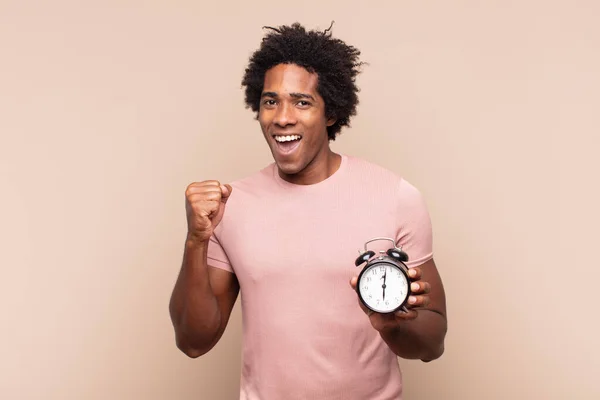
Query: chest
x=284, y=244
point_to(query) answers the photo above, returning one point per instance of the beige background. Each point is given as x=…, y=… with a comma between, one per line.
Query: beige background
x=109, y=109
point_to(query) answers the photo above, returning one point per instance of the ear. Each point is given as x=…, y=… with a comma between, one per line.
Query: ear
x=331, y=121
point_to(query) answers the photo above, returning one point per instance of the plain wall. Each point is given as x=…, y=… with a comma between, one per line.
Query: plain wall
x=108, y=110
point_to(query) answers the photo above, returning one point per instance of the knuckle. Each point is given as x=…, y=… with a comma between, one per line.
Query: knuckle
x=211, y=183
x=196, y=186
x=205, y=195
x=189, y=190
x=207, y=204
x=212, y=196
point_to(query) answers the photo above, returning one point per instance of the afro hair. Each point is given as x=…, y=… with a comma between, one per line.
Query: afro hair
x=335, y=63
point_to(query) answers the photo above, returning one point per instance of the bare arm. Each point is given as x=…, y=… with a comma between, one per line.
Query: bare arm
x=203, y=296
x=419, y=333
x=421, y=337
x=201, y=301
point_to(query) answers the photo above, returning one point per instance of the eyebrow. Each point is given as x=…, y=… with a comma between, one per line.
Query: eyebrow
x=295, y=95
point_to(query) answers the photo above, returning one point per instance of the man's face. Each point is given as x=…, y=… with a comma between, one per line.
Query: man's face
x=292, y=118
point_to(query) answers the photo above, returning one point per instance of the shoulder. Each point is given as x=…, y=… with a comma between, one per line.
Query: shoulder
x=251, y=192
x=365, y=171
x=247, y=198
x=253, y=184
x=370, y=171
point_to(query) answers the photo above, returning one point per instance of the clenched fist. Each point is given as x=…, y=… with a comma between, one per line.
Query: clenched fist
x=204, y=205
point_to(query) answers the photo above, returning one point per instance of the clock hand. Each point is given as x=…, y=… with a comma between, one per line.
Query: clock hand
x=383, y=286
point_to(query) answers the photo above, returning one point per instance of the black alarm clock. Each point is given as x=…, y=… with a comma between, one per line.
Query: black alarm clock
x=383, y=284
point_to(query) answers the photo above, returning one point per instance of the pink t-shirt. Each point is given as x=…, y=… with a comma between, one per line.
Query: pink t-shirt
x=292, y=248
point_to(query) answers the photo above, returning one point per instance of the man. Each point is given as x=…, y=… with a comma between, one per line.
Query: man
x=287, y=236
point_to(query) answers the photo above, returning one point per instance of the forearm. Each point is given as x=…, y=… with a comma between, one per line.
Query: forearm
x=194, y=308
x=418, y=339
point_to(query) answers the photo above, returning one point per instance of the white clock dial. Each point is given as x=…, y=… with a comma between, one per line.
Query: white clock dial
x=383, y=287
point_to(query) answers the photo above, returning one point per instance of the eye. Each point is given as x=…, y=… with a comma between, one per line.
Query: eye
x=303, y=103
x=269, y=102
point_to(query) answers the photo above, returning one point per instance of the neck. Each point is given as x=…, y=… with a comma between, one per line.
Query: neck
x=325, y=164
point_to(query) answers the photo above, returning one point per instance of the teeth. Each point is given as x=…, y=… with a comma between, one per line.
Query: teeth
x=287, y=138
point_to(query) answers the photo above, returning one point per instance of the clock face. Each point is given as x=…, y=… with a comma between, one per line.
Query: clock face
x=383, y=287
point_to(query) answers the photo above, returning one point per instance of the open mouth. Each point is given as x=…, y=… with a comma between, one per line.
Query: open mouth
x=287, y=143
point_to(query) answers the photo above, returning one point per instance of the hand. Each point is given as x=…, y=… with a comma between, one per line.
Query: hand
x=418, y=299
x=205, y=205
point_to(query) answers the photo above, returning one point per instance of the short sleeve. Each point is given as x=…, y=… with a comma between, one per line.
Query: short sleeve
x=216, y=255
x=414, y=231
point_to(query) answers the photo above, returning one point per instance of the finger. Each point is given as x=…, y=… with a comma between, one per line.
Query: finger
x=406, y=315
x=414, y=273
x=214, y=195
x=209, y=208
x=420, y=287
x=418, y=301
x=208, y=183
x=225, y=192
x=353, y=282
x=191, y=190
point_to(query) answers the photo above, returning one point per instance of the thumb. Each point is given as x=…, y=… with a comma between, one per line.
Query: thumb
x=225, y=192
x=353, y=282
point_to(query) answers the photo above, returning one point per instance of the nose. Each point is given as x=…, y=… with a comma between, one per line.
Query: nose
x=285, y=115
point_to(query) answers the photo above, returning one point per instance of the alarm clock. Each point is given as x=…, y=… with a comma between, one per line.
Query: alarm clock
x=383, y=284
